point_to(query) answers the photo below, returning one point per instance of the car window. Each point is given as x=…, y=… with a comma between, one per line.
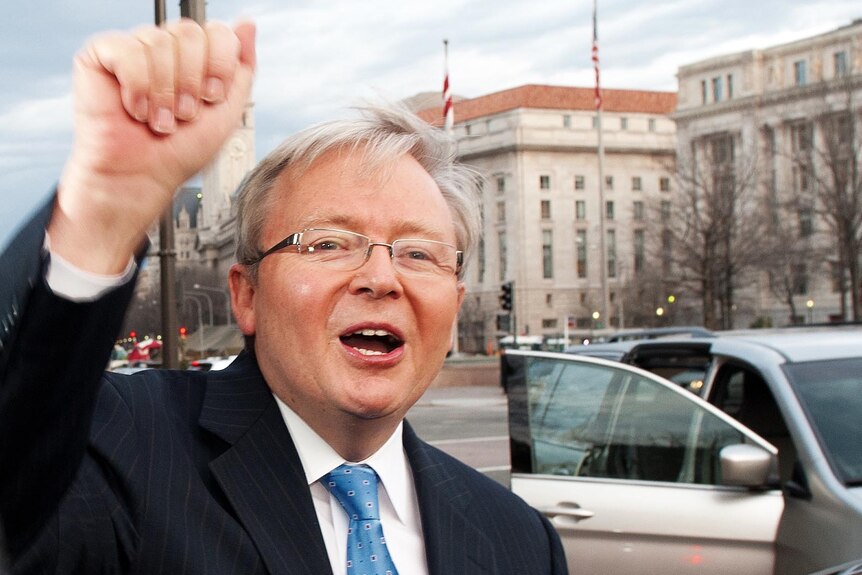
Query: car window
x=594, y=420
x=831, y=393
x=742, y=393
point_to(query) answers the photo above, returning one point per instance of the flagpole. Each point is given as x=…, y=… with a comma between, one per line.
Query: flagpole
x=601, y=158
x=448, y=110
x=448, y=125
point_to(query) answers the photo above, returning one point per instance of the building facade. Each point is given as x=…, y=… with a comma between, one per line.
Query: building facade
x=536, y=147
x=786, y=118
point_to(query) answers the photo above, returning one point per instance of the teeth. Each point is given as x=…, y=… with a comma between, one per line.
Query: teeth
x=373, y=332
x=368, y=351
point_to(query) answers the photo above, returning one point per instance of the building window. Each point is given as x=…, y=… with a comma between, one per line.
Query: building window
x=580, y=183
x=799, y=73
x=468, y=129
x=581, y=250
x=580, y=210
x=547, y=254
x=806, y=222
x=501, y=240
x=801, y=137
x=546, y=209
x=612, y=253
x=716, y=89
x=665, y=211
x=501, y=212
x=501, y=184
x=609, y=210
x=624, y=123
x=549, y=323
x=567, y=121
x=664, y=184
x=800, y=279
x=480, y=257
x=609, y=182
x=544, y=182
x=638, y=212
x=729, y=86
x=636, y=184
x=639, y=249
x=839, y=62
x=549, y=300
x=703, y=92
x=651, y=124
x=666, y=251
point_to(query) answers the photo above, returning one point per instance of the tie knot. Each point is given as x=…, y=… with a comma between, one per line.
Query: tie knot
x=355, y=487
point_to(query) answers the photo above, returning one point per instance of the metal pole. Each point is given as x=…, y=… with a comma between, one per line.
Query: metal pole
x=223, y=292
x=602, y=207
x=194, y=9
x=167, y=265
x=208, y=298
x=200, y=324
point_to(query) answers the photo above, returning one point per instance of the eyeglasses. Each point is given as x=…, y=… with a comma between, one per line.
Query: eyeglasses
x=347, y=251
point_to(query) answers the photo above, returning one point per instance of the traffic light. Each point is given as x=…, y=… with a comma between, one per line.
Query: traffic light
x=183, y=332
x=507, y=296
x=133, y=335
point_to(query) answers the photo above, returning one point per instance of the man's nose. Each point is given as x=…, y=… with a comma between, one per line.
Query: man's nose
x=377, y=275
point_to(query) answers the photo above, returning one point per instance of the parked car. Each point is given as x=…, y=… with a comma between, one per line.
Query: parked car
x=761, y=474
x=617, y=345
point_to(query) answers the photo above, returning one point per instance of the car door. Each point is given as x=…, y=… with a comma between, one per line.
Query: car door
x=628, y=467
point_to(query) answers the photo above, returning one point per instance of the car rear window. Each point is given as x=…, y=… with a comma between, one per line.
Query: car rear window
x=831, y=393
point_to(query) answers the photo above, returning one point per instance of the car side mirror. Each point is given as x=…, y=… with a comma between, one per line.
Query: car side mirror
x=746, y=465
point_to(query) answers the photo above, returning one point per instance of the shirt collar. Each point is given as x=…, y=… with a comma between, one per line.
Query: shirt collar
x=319, y=458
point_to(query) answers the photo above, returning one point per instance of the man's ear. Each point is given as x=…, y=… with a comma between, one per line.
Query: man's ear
x=242, y=291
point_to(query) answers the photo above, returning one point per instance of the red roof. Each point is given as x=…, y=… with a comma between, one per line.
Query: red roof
x=555, y=98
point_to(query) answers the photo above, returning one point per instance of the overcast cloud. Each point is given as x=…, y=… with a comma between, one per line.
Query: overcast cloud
x=319, y=57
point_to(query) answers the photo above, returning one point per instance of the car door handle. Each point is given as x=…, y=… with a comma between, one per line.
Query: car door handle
x=565, y=513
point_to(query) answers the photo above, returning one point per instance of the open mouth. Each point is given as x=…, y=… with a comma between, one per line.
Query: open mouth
x=372, y=341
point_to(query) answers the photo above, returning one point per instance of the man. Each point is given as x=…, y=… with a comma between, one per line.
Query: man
x=350, y=241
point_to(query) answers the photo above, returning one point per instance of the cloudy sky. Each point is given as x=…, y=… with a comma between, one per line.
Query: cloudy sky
x=318, y=57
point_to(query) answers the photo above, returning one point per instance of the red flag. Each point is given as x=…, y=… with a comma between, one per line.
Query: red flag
x=448, y=111
x=596, y=57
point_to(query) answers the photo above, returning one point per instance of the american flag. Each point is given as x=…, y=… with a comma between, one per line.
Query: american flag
x=596, y=56
x=448, y=111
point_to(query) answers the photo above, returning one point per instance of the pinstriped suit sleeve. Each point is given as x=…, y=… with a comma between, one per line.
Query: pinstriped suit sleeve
x=51, y=362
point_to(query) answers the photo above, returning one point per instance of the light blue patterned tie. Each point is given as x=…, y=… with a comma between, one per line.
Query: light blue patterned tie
x=355, y=487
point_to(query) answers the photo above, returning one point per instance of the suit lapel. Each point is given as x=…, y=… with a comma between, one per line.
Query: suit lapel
x=261, y=474
x=453, y=543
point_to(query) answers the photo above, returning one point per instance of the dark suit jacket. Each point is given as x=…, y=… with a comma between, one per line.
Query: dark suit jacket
x=190, y=472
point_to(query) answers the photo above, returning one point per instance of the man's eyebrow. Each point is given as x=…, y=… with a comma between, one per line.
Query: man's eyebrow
x=404, y=229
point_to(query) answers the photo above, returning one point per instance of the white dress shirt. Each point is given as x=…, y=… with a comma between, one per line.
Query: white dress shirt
x=399, y=506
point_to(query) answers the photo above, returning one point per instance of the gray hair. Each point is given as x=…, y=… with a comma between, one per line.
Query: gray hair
x=384, y=134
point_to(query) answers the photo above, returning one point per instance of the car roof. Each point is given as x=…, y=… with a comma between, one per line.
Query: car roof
x=793, y=344
x=658, y=332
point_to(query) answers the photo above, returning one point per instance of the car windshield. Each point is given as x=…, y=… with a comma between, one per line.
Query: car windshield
x=831, y=392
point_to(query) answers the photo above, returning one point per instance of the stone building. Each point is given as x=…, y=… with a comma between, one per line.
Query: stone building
x=536, y=146
x=788, y=116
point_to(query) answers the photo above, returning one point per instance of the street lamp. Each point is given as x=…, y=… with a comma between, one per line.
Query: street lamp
x=208, y=298
x=223, y=292
x=200, y=323
x=810, y=305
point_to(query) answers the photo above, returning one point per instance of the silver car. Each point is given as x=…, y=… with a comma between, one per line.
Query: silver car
x=762, y=474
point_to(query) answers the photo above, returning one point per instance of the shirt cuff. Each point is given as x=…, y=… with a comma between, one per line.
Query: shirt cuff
x=72, y=283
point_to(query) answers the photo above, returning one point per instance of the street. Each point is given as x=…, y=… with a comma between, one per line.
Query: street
x=469, y=423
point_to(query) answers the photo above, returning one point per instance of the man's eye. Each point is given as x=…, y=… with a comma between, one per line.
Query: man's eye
x=418, y=255
x=328, y=245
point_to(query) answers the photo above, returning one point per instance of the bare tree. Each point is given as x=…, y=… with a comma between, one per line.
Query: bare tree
x=825, y=153
x=713, y=230
x=838, y=187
